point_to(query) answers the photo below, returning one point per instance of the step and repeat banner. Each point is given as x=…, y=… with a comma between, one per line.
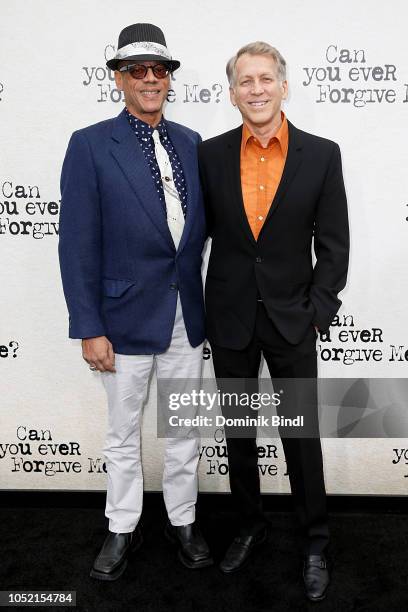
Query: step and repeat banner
x=348, y=81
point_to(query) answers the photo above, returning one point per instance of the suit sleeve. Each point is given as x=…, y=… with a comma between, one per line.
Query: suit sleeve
x=331, y=244
x=203, y=181
x=80, y=240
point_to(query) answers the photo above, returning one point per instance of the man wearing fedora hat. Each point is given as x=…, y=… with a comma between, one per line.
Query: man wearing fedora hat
x=132, y=230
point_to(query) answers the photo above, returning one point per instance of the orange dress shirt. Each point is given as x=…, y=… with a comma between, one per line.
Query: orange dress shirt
x=261, y=172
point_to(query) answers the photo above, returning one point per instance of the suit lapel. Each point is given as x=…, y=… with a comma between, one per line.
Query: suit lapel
x=293, y=159
x=233, y=164
x=129, y=155
x=188, y=158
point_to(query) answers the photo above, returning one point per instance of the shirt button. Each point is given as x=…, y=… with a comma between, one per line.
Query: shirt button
x=260, y=218
x=261, y=187
x=258, y=260
x=173, y=285
x=262, y=158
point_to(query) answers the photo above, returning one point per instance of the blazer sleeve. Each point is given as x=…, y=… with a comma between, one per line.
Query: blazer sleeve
x=331, y=244
x=80, y=240
x=209, y=221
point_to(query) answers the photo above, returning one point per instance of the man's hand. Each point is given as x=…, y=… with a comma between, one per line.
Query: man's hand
x=98, y=352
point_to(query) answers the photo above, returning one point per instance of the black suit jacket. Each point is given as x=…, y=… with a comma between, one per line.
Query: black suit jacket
x=309, y=208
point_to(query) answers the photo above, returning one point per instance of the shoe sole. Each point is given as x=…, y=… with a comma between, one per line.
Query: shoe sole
x=194, y=564
x=184, y=560
x=117, y=573
x=312, y=599
x=112, y=575
x=236, y=569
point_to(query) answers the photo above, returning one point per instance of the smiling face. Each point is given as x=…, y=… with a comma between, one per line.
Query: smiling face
x=257, y=90
x=144, y=97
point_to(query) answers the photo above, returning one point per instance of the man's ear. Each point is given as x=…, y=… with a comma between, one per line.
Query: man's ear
x=118, y=80
x=284, y=90
x=232, y=96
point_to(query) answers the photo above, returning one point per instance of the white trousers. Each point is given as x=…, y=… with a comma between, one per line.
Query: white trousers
x=127, y=391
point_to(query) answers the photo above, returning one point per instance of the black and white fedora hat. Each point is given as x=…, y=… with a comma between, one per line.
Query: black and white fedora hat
x=142, y=41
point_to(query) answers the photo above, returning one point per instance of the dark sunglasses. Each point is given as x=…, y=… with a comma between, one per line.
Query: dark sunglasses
x=139, y=71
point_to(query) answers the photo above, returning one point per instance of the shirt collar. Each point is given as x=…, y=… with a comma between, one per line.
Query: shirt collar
x=282, y=135
x=143, y=129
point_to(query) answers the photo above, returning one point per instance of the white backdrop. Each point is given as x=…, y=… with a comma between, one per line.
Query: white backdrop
x=348, y=79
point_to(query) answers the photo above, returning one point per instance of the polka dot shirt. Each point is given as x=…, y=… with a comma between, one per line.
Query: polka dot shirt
x=144, y=133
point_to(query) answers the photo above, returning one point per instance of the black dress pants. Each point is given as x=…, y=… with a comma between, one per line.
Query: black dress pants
x=303, y=454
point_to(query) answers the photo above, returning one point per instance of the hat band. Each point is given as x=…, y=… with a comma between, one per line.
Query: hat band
x=142, y=48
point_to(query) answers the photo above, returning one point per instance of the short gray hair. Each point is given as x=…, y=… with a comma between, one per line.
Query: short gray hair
x=256, y=48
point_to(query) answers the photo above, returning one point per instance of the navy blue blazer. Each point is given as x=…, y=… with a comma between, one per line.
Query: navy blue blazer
x=120, y=270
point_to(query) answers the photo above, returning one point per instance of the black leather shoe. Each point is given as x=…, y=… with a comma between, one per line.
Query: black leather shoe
x=316, y=577
x=240, y=550
x=193, y=550
x=112, y=560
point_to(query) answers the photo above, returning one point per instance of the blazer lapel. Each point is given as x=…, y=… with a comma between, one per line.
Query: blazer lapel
x=188, y=158
x=233, y=164
x=293, y=159
x=129, y=155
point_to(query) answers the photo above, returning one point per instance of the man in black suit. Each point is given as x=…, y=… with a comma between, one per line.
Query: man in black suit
x=272, y=191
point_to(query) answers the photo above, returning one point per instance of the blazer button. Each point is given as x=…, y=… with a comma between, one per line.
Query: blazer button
x=258, y=260
x=173, y=285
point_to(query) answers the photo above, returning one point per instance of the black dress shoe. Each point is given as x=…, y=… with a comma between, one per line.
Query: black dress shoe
x=193, y=550
x=240, y=550
x=112, y=560
x=316, y=577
